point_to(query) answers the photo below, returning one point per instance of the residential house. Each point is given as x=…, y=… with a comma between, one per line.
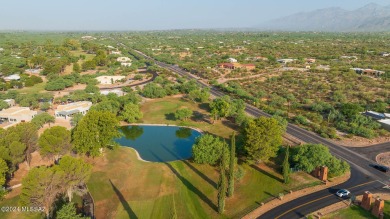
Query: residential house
x=126, y=64
x=385, y=124
x=70, y=109
x=375, y=115
x=232, y=60
x=88, y=38
x=370, y=72
x=109, y=79
x=285, y=61
x=116, y=52
x=33, y=71
x=233, y=66
x=123, y=59
x=14, y=77
x=119, y=93
x=310, y=60
x=17, y=114
x=10, y=102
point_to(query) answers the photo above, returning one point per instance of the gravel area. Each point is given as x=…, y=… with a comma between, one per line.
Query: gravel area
x=383, y=158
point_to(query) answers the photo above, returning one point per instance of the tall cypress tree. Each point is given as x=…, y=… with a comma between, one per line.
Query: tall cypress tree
x=222, y=183
x=286, y=166
x=231, y=165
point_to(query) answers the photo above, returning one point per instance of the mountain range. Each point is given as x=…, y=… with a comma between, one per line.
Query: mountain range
x=371, y=17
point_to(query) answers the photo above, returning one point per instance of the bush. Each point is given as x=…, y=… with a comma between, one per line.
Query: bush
x=300, y=120
x=310, y=156
x=239, y=173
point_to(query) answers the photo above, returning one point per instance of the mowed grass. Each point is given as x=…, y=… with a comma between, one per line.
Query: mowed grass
x=14, y=202
x=37, y=88
x=160, y=111
x=125, y=187
x=356, y=212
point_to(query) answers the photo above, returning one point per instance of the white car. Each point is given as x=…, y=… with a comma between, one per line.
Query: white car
x=343, y=193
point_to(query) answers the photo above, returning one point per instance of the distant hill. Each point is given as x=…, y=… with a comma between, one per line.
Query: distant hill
x=371, y=17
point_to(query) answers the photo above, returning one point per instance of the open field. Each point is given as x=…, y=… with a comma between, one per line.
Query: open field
x=160, y=111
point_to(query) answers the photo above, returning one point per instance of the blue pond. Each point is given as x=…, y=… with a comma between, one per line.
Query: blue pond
x=159, y=143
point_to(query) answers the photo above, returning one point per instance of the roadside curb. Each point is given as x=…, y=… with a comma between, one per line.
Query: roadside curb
x=292, y=196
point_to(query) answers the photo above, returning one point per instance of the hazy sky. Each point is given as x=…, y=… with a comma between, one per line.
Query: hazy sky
x=154, y=14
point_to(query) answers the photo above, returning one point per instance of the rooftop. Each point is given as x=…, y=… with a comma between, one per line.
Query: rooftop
x=74, y=106
x=15, y=111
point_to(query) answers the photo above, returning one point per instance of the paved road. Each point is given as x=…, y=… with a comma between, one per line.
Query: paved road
x=372, y=151
x=363, y=177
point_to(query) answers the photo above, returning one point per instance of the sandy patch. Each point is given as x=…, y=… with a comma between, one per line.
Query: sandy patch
x=357, y=141
x=383, y=158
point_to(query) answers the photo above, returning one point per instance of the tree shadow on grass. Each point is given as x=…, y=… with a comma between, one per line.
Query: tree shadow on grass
x=204, y=106
x=230, y=124
x=271, y=195
x=122, y=199
x=202, y=175
x=188, y=184
x=266, y=173
x=199, y=117
x=170, y=116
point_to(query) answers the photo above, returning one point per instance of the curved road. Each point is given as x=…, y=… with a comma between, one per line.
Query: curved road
x=363, y=177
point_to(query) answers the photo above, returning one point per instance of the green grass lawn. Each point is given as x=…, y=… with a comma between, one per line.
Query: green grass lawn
x=37, y=88
x=123, y=186
x=356, y=212
x=160, y=111
x=16, y=215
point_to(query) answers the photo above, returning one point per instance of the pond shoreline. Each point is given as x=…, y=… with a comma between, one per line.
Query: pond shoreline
x=160, y=125
x=149, y=124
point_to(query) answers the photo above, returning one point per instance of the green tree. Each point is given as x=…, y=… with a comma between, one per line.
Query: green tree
x=232, y=162
x=220, y=107
x=17, y=153
x=350, y=109
x=90, y=88
x=286, y=166
x=207, y=149
x=3, y=105
x=41, y=119
x=68, y=211
x=45, y=106
x=183, y=114
x=111, y=106
x=55, y=142
x=153, y=90
x=28, y=135
x=131, y=113
x=76, y=67
x=96, y=130
x=310, y=156
x=222, y=183
x=262, y=138
x=3, y=171
x=76, y=173
x=40, y=188
x=76, y=119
